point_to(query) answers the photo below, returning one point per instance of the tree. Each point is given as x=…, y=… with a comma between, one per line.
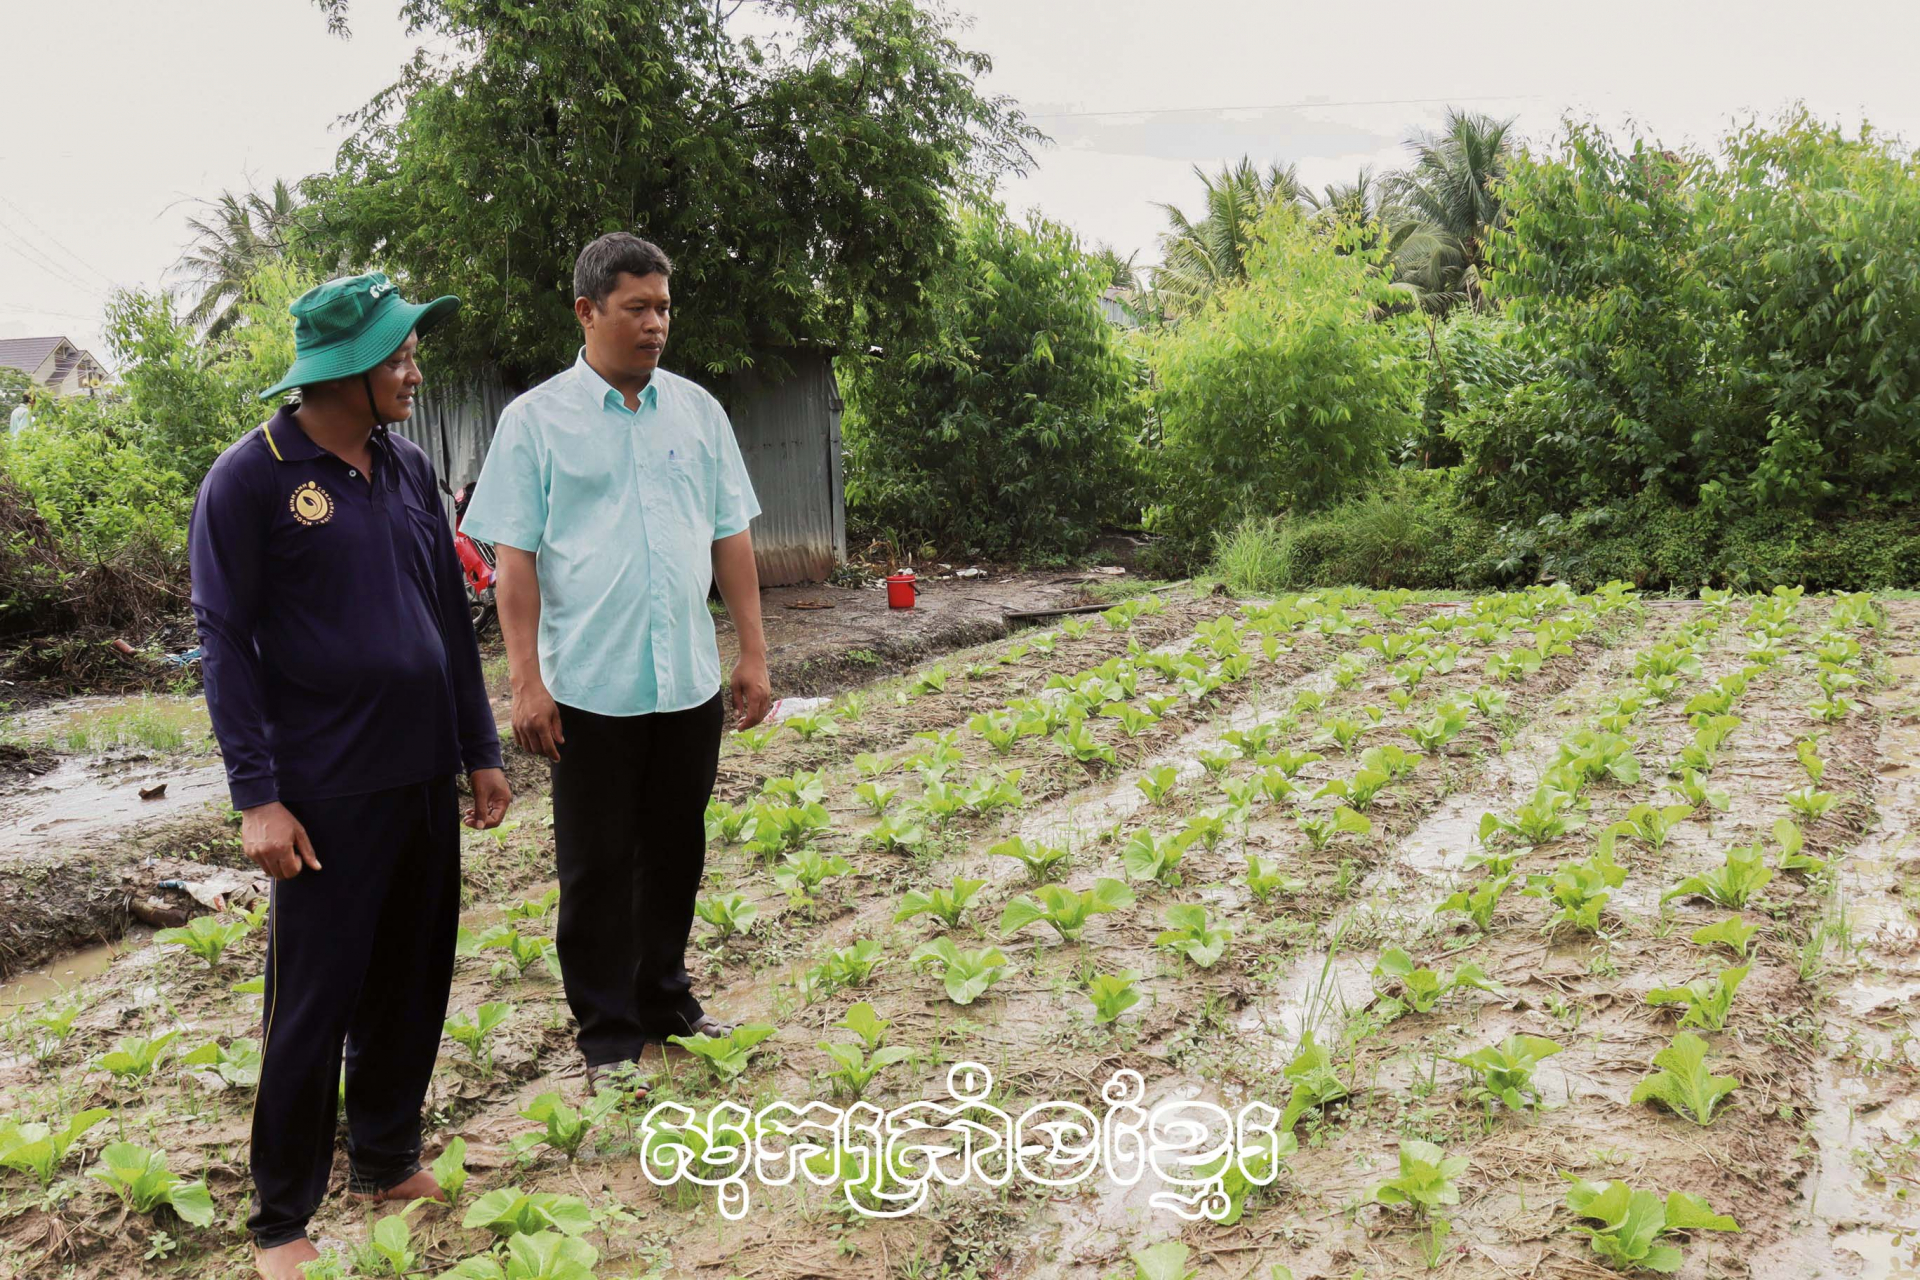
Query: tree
x=1120, y=272
x=801, y=185
x=1285, y=395
x=1201, y=256
x=1451, y=194
x=1008, y=431
x=239, y=234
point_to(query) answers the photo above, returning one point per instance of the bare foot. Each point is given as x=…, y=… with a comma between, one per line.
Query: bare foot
x=283, y=1261
x=420, y=1185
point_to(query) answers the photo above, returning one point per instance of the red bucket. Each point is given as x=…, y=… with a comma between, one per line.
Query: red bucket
x=901, y=590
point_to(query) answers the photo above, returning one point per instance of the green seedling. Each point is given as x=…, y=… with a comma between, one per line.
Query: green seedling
x=1632, y=1223
x=1153, y=858
x=535, y=909
x=1078, y=743
x=1243, y=794
x=133, y=1059
x=1134, y=720
x=1548, y=814
x=1733, y=883
x=803, y=871
x=471, y=1034
x=1064, y=910
x=865, y=1023
x=869, y=765
x=947, y=905
x=729, y=916
x=1652, y=825
x=854, y=1069
x=1489, y=701
x=1000, y=729
x=1275, y=786
x=1359, y=791
x=758, y=738
x=1188, y=933
x=391, y=1243
x=1512, y=666
x=1205, y=829
x=1691, y=786
x=814, y=724
x=1113, y=994
x=779, y=827
x=932, y=680
x=143, y=1182
x=1707, y=1000
x=1421, y=989
x=40, y=1149
x=994, y=791
x=1322, y=829
x=898, y=833
x=449, y=1169
x=1807, y=751
x=1251, y=741
x=1811, y=803
x=1043, y=862
x=1732, y=933
x=874, y=797
x=522, y=952
x=1159, y=784
x=853, y=965
x=1579, y=891
x=1833, y=708
x=1597, y=756
x=727, y=823
x=1426, y=1181
x=966, y=974
x=1315, y=1084
x=1478, y=903
x=1247, y=1170
x=1447, y=722
x=1265, y=879
x=803, y=787
x=1164, y=1261
x=1683, y=1084
x=566, y=1126
x=1504, y=1072
x=1287, y=763
x=725, y=1057
x=1793, y=855
x=509, y=1213
x=1216, y=763
x=237, y=1065
x=205, y=937
x=1346, y=729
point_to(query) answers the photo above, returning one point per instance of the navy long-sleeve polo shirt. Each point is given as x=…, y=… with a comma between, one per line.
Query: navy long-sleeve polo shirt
x=338, y=654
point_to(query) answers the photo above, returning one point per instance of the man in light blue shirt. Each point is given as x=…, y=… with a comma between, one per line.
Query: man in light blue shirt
x=615, y=495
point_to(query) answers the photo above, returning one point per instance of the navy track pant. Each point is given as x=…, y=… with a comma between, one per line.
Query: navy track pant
x=360, y=958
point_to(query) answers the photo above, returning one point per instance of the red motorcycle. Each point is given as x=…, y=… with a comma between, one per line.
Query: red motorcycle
x=476, y=562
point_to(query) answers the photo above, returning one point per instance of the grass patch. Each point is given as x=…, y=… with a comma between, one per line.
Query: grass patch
x=166, y=725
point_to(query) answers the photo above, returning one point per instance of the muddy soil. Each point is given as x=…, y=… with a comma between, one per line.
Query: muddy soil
x=1813, y=1152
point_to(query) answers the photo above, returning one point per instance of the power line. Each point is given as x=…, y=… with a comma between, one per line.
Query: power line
x=28, y=219
x=45, y=263
x=1286, y=106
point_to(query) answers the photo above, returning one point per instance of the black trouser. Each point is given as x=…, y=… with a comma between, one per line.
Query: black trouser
x=360, y=954
x=629, y=828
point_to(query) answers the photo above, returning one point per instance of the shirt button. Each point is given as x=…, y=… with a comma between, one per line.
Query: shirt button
x=353, y=473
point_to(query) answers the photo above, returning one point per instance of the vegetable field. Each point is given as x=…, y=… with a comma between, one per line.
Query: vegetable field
x=1563, y=936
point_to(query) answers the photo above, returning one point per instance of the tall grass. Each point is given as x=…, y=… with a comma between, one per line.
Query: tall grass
x=1254, y=557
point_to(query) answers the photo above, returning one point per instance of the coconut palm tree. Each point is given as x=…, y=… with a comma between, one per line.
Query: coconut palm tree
x=1122, y=273
x=238, y=233
x=1451, y=193
x=1199, y=256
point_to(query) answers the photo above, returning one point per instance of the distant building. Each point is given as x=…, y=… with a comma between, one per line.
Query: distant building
x=1119, y=306
x=55, y=364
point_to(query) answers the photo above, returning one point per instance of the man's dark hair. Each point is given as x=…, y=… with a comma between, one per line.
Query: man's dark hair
x=600, y=264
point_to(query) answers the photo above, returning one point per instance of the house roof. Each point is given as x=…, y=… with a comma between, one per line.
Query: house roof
x=27, y=354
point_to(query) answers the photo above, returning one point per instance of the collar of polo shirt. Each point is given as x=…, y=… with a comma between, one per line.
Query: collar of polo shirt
x=609, y=395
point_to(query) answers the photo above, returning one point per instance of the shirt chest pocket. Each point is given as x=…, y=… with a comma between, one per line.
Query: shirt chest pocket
x=417, y=539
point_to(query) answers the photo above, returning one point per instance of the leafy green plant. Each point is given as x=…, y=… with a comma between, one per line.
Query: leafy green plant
x=1134, y=720
x=1731, y=884
x=1265, y=879
x=874, y=796
x=449, y=1169
x=1188, y=933
x=1000, y=729
x=729, y=916
x=1632, y=1222
x=1504, y=1072
x=1153, y=858
x=1420, y=988
x=1654, y=825
x=536, y=909
x=1447, y=722
x=1244, y=1171
x=509, y=1212
x=1344, y=729
x=471, y=1034
x=1691, y=786
x=966, y=974
x=143, y=1182
x=854, y=1069
x=932, y=680
x=39, y=1149
x=851, y=966
x=1548, y=814
x=1216, y=763
x=1359, y=791
x=898, y=834
x=1707, y=1000
x=1479, y=902
x=1683, y=1084
x=814, y=724
x=390, y=1245
x=729, y=824
x=1810, y=802
x=1322, y=829
x=1579, y=891
x=205, y=937
x=947, y=905
x=725, y=1057
x=236, y=1064
x=1078, y=742
x=1164, y=1261
x=803, y=871
x=1426, y=1180
x=1042, y=862
x=1286, y=762
x=993, y=791
x=133, y=1059
x=1065, y=910
x=1732, y=933
x=869, y=765
x=566, y=1126
x=1807, y=751
x=1158, y=784
x=1113, y=994
x=865, y=1023
x=758, y=738
x=1314, y=1082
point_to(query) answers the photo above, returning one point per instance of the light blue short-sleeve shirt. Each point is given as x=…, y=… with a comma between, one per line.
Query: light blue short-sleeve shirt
x=621, y=509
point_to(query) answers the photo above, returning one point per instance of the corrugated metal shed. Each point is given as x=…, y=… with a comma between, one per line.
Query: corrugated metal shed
x=789, y=434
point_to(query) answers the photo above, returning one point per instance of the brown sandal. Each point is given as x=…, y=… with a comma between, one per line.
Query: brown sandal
x=622, y=1077
x=708, y=1025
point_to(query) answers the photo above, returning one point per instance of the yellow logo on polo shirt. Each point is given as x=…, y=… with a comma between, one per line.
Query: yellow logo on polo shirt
x=310, y=504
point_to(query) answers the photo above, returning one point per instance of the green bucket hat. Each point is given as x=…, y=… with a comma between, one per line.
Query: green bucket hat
x=349, y=325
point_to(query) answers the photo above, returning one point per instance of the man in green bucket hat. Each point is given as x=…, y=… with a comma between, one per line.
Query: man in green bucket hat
x=345, y=688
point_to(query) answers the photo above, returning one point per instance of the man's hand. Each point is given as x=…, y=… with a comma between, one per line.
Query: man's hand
x=752, y=694
x=536, y=722
x=276, y=841
x=491, y=796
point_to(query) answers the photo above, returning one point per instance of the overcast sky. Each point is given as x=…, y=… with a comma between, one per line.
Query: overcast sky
x=120, y=114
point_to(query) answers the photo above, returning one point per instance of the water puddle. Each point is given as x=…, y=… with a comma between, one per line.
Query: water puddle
x=74, y=802
x=53, y=980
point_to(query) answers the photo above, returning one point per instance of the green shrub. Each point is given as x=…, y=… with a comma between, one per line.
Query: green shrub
x=1009, y=427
